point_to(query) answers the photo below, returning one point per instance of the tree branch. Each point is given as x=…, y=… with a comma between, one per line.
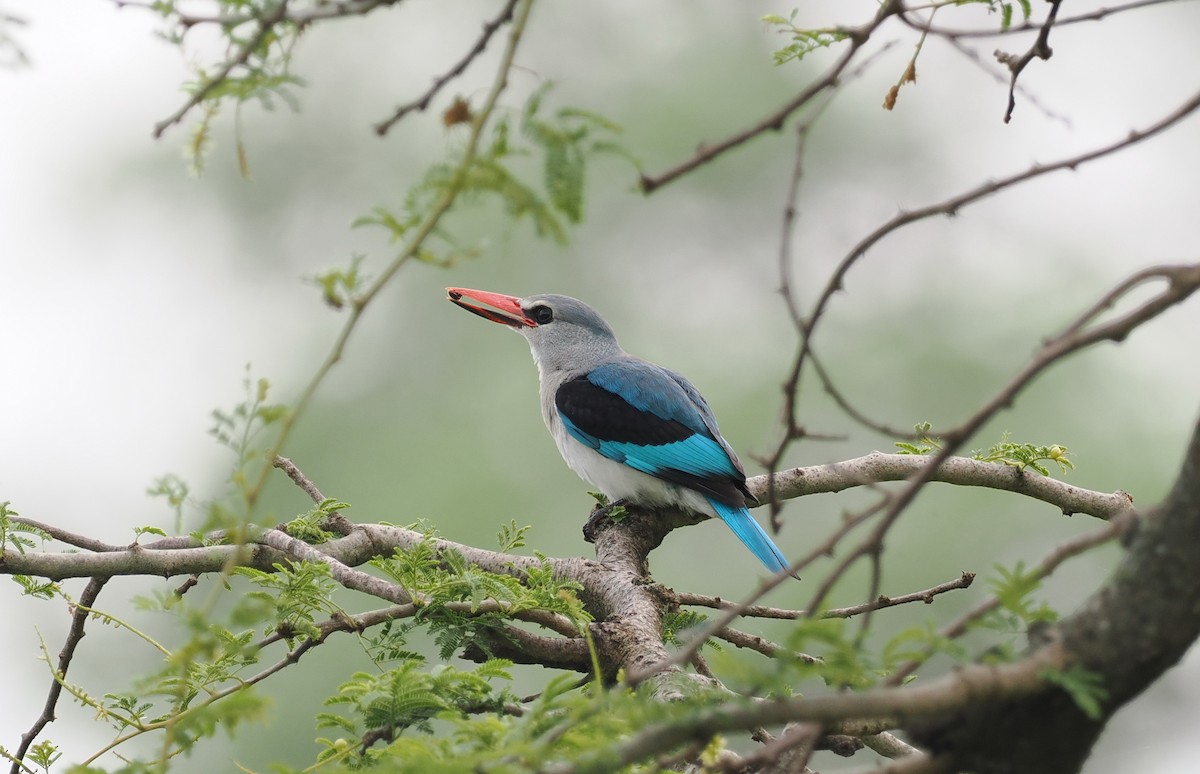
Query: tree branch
x=759, y=611
x=970, y=686
x=858, y=37
x=878, y=467
x=75, y=635
x=266, y=24
x=1039, y=50
x=422, y=102
x=1128, y=633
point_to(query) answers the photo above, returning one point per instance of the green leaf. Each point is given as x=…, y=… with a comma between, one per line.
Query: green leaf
x=925, y=444
x=1085, y=687
x=804, y=41
x=1026, y=455
x=511, y=536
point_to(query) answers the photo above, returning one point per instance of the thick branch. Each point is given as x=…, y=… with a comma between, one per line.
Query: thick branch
x=183, y=556
x=877, y=467
x=366, y=542
x=1131, y=631
x=971, y=686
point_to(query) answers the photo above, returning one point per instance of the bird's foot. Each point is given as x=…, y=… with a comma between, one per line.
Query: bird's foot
x=613, y=510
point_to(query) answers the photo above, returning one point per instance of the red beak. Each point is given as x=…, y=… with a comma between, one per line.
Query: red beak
x=503, y=309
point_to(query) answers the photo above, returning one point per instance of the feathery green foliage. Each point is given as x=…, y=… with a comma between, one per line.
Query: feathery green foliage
x=289, y=599
x=1018, y=455
x=565, y=141
x=13, y=533
x=804, y=41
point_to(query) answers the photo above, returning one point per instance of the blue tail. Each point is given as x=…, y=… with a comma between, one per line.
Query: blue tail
x=752, y=535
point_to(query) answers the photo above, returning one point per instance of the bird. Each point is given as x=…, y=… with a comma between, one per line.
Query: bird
x=638, y=432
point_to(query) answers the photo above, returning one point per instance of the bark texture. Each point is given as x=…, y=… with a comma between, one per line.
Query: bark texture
x=1131, y=631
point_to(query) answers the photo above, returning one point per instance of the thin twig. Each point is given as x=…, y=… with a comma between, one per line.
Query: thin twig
x=70, y=538
x=409, y=249
x=266, y=24
x=327, y=9
x=939, y=698
x=1039, y=50
x=297, y=476
x=1044, y=569
x=858, y=37
x=422, y=102
x=949, y=207
x=760, y=611
x=1182, y=281
x=75, y=634
x=1028, y=26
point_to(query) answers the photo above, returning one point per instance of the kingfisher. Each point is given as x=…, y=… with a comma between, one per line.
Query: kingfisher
x=638, y=432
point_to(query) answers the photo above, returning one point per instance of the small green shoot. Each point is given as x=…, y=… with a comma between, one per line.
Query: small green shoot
x=1085, y=687
x=804, y=41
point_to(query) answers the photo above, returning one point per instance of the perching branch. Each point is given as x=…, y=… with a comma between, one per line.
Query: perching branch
x=183, y=556
x=878, y=467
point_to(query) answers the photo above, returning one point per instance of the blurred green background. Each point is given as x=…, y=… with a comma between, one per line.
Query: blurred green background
x=134, y=295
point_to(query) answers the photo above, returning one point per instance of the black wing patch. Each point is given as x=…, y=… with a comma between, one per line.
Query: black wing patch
x=606, y=416
x=609, y=417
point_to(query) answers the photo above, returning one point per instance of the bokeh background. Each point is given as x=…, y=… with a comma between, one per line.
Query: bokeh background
x=134, y=295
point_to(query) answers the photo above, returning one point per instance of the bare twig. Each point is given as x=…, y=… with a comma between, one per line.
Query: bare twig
x=760, y=611
x=1114, y=529
x=1039, y=50
x=988, y=67
x=422, y=102
x=1029, y=26
x=952, y=206
x=858, y=37
x=807, y=326
x=333, y=521
x=75, y=634
x=759, y=644
x=70, y=538
x=1182, y=281
x=297, y=476
x=843, y=403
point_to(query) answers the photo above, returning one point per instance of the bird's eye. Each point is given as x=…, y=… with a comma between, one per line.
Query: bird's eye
x=541, y=314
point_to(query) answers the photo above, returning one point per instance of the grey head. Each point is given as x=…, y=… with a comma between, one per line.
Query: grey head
x=564, y=333
x=567, y=334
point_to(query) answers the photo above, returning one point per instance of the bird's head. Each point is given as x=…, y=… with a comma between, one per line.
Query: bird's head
x=564, y=333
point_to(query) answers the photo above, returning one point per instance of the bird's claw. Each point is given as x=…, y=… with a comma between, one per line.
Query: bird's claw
x=599, y=514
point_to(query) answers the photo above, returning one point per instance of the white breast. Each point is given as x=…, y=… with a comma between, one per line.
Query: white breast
x=618, y=481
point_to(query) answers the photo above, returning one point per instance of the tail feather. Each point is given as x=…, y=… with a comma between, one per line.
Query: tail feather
x=752, y=535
